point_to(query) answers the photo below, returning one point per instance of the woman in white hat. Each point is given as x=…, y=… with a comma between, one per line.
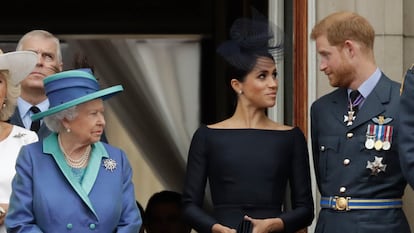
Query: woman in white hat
x=14, y=67
x=71, y=181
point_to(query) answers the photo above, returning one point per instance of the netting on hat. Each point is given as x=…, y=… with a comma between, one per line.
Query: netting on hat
x=249, y=39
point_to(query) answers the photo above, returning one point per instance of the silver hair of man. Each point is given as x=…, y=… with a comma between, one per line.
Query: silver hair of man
x=42, y=34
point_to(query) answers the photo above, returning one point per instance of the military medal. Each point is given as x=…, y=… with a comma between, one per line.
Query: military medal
x=354, y=101
x=370, y=141
x=376, y=166
x=379, y=132
x=382, y=132
x=378, y=145
x=386, y=145
x=349, y=119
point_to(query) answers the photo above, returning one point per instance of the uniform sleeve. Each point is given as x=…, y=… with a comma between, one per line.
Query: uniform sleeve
x=314, y=141
x=302, y=212
x=195, y=184
x=406, y=127
x=20, y=217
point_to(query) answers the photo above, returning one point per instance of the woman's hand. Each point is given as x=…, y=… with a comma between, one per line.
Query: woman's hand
x=266, y=225
x=218, y=228
x=5, y=207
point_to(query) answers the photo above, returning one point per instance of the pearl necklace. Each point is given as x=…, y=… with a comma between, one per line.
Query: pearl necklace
x=76, y=163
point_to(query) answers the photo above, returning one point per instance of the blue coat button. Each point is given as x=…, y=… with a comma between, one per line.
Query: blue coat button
x=69, y=226
x=92, y=226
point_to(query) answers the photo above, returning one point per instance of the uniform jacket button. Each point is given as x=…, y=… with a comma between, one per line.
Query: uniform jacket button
x=322, y=148
x=342, y=189
x=349, y=135
x=69, y=226
x=347, y=161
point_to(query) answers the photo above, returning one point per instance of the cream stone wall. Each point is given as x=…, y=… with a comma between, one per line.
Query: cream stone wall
x=145, y=181
x=408, y=23
x=393, y=22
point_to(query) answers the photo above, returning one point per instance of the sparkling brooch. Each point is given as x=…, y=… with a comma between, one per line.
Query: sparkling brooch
x=19, y=135
x=109, y=164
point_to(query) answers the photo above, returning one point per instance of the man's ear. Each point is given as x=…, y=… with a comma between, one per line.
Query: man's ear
x=349, y=47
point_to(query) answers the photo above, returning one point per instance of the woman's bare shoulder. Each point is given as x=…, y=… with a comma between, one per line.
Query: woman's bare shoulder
x=220, y=125
x=279, y=126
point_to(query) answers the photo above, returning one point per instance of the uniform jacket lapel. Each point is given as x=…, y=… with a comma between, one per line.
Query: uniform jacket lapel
x=374, y=103
x=339, y=104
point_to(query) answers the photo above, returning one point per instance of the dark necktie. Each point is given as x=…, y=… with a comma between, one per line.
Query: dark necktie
x=356, y=99
x=35, y=124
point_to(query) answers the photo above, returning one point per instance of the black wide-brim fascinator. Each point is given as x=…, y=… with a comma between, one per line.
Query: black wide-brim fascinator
x=252, y=38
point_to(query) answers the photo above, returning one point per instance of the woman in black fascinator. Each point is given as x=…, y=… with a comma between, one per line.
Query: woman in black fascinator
x=249, y=159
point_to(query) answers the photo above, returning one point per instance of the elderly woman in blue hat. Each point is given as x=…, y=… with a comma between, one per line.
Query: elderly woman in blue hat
x=14, y=67
x=71, y=181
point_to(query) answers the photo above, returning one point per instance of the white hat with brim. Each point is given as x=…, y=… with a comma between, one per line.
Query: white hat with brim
x=19, y=64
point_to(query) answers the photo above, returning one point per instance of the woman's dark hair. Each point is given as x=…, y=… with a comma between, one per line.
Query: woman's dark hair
x=249, y=40
x=240, y=74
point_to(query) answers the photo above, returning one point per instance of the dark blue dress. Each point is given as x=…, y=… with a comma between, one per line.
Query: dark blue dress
x=248, y=172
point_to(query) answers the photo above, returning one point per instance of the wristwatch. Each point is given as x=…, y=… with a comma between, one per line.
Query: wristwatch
x=2, y=211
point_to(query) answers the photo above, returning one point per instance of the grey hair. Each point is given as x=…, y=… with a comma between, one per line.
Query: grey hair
x=42, y=34
x=13, y=91
x=54, y=122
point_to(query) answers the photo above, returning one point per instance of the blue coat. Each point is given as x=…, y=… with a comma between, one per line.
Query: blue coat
x=46, y=197
x=341, y=159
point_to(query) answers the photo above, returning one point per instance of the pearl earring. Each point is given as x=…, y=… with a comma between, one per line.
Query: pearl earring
x=240, y=92
x=67, y=130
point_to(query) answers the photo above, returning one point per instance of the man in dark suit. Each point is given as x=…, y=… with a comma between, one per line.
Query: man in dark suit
x=354, y=134
x=33, y=98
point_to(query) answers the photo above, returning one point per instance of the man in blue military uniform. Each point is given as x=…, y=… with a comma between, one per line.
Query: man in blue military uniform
x=406, y=138
x=354, y=133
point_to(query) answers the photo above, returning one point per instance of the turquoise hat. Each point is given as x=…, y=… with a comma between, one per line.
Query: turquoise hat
x=73, y=87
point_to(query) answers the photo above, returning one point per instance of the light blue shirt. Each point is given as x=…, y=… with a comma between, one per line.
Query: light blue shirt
x=26, y=114
x=366, y=87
